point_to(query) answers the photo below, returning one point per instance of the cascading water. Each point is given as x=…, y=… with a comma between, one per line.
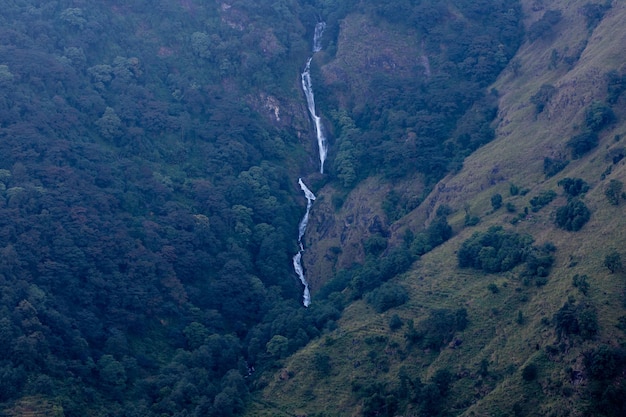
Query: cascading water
x=307, y=87
x=297, y=259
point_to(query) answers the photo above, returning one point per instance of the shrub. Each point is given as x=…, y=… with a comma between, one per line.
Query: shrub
x=604, y=362
x=510, y=207
x=530, y=371
x=395, y=322
x=580, y=282
x=496, y=201
x=573, y=216
x=544, y=26
x=389, y=295
x=540, y=201
x=598, y=115
x=552, y=166
x=542, y=97
x=471, y=220
x=594, y=13
x=572, y=319
x=573, y=187
x=440, y=326
x=613, y=191
x=539, y=262
x=495, y=250
x=375, y=245
x=583, y=143
x=616, y=86
x=613, y=261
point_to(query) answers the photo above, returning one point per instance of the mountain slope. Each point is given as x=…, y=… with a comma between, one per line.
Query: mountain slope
x=514, y=357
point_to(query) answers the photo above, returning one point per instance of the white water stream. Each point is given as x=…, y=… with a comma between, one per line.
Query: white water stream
x=307, y=87
x=297, y=259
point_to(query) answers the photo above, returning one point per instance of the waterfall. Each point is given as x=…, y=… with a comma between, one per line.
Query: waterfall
x=297, y=259
x=307, y=87
x=317, y=37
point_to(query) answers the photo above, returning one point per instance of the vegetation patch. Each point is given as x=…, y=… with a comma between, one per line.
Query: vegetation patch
x=498, y=250
x=572, y=216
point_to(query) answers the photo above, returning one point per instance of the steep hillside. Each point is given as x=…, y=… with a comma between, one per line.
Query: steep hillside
x=541, y=338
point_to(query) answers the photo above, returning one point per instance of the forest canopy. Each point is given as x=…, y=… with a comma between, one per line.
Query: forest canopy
x=148, y=202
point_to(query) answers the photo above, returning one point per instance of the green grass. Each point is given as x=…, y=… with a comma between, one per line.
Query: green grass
x=494, y=334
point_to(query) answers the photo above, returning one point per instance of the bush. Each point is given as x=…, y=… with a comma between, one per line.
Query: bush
x=583, y=143
x=580, y=282
x=598, y=115
x=395, y=322
x=552, y=166
x=540, y=201
x=542, y=97
x=573, y=187
x=495, y=250
x=544, y=26
x=389, y=295
x=496, y=201
x=613, y=261
x=604, y=362
x=613, y=191
x=510, y=207
x=493, y=288
x=572, y=319
x=594, y=13
x=375, y=245
x=440, y=326
x=530, y=372
x=616, y=86
x=573, y=216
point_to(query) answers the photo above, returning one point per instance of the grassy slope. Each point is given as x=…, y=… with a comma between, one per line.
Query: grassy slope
x=516, y=156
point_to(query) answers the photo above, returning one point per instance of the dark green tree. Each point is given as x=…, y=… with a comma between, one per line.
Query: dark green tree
x=572, y=216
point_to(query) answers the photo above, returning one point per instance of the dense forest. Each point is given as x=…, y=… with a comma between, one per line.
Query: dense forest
x=149, y=203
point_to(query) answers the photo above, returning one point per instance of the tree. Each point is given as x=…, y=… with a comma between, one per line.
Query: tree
x=112, y=373
x=201, y=44
x=277, y=346
x=572, y=216
x=110, y=124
